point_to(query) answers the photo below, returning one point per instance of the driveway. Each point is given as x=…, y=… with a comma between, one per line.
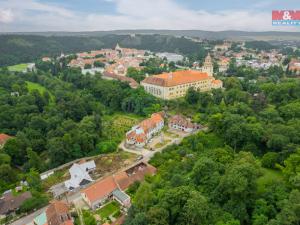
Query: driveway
x=147, y=154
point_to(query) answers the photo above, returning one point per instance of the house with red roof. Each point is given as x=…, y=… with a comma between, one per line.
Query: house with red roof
x=179, y=122
x=57, y=213
x=3, y=139
x=140, y=134
x=113, y=187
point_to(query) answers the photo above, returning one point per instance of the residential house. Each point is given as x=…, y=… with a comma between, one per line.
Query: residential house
x=10, y=203
x=223, y=64
x=46, y=59
x=294, y=66
x=181, y=123
x=140, y=134
x=57, y=213
x=3, y=139
x=113, y=187
x=98, y=193
x=80, y=175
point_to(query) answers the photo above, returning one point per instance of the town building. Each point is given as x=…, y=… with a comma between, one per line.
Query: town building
x=182, y=123
x=10, y=203
x=208, y=66
x=223, y=47
x=112, y=76
x=171, y=57
x=57, y=213
x=80, y=175
x=46, y=59
x=113, y=187
x=294, y=66
x=129, y=52
x=140, y=134
x=3, y=139
x=176, y=84
x=223, y=64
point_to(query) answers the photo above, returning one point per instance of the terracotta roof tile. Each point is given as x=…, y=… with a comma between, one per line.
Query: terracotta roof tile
x=177, y=78
x=4, y=138
x=58, y=213
x=100, y=189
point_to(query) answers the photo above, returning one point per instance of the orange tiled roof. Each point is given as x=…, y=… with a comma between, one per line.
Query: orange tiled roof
x=100, y=189
x=146, y=125
x=56, y=211
x=4, y=138
x=122, y=179
x=68, y=222
x=216, y=81
x=176, y=78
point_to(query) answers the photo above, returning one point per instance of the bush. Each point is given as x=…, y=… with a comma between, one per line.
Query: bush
x=107, y=146
x=33, y=203
x=87, y=66
x=88, y=218
x=269, y=160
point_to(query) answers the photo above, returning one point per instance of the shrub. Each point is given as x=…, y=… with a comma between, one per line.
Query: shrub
x=269, y=160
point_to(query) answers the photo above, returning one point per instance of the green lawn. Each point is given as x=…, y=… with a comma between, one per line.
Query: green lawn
x=268, y=176
x=18, y=68
x=35, y=86
x=108, y=210
x=118, y=124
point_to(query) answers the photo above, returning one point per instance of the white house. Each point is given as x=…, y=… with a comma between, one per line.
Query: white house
x=80, y=175
x=140, y=134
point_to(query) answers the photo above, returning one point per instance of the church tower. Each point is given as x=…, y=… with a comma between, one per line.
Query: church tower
x=208, y=66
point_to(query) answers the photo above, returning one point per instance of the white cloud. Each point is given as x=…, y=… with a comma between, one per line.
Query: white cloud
x=133, y=14
x=6, y=16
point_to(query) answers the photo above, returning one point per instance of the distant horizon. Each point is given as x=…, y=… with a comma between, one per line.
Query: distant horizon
x=132, y=30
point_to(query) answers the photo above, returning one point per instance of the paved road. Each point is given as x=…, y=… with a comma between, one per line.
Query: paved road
x=29, y=218
x=147, y=154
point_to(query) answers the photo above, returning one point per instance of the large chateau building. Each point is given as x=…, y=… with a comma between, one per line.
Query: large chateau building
x=175, y=84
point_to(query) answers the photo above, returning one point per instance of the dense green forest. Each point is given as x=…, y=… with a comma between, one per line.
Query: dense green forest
x=259, y=45
x=27, y=48
x=203, y=181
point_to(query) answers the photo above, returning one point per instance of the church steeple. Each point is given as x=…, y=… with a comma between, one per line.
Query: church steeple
x=117, y=47
x=208, y=65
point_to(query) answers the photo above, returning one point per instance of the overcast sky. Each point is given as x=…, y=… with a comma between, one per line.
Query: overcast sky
x=92, y=15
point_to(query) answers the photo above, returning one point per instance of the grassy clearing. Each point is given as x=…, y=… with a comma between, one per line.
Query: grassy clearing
x=18, y=67
x=35, y=86
x=268, y=176
x=161, y=144
x=117, y=125
x=109, y=209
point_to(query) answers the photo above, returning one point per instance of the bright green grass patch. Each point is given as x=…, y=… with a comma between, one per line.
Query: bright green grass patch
x=35, y=86
x=18, y=68
x=108, y=210
x=118, y=124
x=268, y=176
